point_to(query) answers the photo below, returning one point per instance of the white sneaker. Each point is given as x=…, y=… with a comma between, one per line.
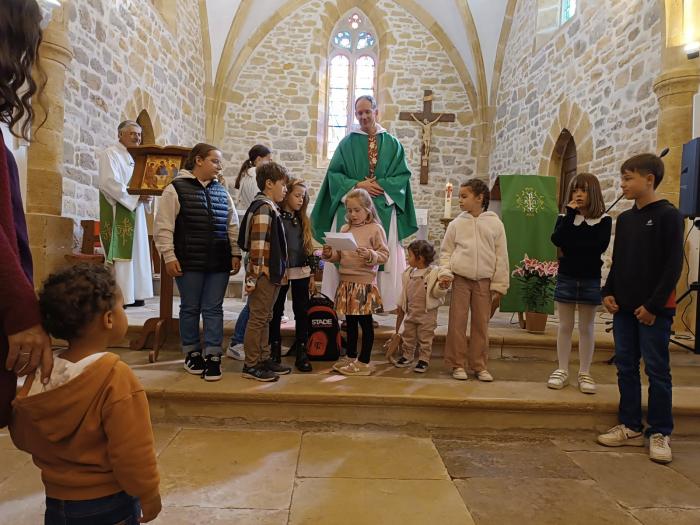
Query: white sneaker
x=356, y=368
x=620, y=436
x=284, y=319
x=236, y=352
x=559, y=379
x=660, y=448
x=586, y=384
x=459, y=373
x=484, y=376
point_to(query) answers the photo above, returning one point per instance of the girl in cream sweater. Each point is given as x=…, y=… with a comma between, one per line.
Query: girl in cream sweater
x=475, y=253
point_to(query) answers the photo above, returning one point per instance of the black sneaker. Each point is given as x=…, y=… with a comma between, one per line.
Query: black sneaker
x=212, y=368
x=194, y=362
x=259, y=373
x=278, y=369
x=421, y=367
x=402, y=362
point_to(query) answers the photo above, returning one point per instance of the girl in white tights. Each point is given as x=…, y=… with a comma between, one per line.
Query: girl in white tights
x=582, y=234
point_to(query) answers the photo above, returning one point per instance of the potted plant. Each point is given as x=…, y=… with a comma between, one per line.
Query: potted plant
x=538, y=279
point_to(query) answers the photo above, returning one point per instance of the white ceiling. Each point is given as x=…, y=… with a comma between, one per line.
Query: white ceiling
x=487, y=14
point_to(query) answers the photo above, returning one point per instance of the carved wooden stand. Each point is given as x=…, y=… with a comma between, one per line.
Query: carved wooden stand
x=155, y=330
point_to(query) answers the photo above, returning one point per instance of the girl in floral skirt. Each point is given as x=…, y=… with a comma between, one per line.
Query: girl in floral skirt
x=357, y=296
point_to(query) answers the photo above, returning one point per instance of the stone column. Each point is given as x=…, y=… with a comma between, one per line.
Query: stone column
x=50, y=235
x=675, y=90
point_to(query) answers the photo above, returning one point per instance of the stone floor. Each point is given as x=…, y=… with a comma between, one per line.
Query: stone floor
x=358, y=476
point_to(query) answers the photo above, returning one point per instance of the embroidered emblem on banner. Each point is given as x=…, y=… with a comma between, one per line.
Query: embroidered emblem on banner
x=530, y=202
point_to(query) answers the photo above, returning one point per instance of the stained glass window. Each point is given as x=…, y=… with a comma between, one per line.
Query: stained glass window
x=365, y=40
x=343, y=39
x=352, y=70
x=568, y=10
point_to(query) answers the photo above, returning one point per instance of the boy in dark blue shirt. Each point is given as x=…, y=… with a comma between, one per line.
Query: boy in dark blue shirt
x=640, y=292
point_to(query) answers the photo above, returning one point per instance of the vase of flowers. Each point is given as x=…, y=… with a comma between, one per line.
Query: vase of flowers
x=538, y=279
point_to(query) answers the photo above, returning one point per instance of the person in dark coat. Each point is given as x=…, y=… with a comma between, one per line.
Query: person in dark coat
x=24, y=344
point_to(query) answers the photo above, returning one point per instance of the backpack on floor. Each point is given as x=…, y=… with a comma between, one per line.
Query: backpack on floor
x=323, y=328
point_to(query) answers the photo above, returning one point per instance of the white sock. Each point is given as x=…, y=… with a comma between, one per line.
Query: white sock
x=566, y=327
x=586, y=335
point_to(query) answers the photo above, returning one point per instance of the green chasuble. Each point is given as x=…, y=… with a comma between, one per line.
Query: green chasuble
x=116, y=230
x=350, y=165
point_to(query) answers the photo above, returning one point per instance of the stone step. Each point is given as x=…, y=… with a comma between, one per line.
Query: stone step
x=397, y=397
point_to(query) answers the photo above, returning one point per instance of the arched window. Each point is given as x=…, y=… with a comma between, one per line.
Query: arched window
x=352, y=72
x=568, y=10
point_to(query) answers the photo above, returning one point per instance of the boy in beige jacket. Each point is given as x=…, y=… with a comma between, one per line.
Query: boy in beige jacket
x=475, y=253
x=422, y=295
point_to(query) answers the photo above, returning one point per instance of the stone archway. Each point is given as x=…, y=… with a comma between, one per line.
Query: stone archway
x=140, y=102
x=148, y=136
x=575, y=122
x=564, y=164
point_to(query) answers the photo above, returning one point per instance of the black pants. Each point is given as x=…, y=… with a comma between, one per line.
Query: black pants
x=300, y=305
x=365, y=322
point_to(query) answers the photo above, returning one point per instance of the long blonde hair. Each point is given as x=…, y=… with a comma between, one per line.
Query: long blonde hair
x=302, y=214
x=365, y=200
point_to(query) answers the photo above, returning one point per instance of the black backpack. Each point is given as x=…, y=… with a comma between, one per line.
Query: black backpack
x=323, y=329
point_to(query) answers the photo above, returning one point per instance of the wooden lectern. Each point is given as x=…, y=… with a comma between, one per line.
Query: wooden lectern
x=155, y=167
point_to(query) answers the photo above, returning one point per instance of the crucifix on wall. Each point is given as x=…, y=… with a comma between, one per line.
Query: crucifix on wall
x=427, y=119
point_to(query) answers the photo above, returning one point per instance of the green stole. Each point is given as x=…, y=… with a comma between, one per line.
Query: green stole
x=116, y=230
x=350, y=165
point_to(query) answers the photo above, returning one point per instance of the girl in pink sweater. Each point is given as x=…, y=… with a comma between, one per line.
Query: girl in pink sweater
x=357, y=296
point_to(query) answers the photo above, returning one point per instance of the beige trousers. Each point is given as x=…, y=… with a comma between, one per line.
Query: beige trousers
x=256, y=342
x=474, y=296
x=419, y=333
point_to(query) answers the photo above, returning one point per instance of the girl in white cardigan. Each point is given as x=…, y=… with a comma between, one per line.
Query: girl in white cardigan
x=475, y=253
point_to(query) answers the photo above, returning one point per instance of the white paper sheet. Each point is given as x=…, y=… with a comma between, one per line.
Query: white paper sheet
x=341, y=241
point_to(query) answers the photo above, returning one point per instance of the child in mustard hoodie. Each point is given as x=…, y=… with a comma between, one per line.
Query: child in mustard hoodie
x=89, y=428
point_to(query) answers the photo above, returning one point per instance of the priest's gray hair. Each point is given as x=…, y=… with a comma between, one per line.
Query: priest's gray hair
x=127, y=124
x=368, y=98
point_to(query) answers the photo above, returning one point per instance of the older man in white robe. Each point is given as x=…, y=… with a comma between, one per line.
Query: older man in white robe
x=123, y=229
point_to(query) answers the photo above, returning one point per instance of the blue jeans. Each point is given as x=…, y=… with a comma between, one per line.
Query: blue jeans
x=118, y=508
x=241, y=324
x=632, y=341
x=202, y=293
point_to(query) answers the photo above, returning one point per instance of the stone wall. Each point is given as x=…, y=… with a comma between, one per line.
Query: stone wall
x=125, y=55
x=277, y=91
x=604, y=61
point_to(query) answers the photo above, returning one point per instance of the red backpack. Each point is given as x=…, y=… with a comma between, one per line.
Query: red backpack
x=324, y=330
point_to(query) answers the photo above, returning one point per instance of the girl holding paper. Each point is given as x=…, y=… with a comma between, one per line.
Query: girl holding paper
x=357, y=296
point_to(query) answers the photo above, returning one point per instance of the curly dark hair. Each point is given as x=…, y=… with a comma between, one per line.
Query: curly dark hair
x=478, y=187
x=20, y=36
x=423, y=249
x=72, y=298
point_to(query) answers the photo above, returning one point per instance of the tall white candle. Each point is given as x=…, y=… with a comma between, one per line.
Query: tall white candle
x=448, y=200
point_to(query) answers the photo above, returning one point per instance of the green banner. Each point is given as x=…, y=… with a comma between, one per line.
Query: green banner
x=116, y=230
x=529, y=212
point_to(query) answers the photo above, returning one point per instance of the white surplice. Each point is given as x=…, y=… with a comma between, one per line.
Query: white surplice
x=134, y=277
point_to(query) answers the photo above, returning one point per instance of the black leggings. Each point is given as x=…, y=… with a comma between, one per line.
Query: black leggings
x=300, y=305
x=367, y=325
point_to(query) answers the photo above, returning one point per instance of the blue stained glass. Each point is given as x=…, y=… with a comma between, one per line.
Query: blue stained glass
x=343, y=39
x=365, y=40
x=568, y=10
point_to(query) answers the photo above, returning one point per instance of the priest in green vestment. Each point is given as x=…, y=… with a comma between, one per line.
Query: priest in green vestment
x=372, y=159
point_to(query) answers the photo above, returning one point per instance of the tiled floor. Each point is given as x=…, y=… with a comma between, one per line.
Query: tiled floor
x=365, y=477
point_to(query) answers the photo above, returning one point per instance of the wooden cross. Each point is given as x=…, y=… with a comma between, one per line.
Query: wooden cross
x=426, y=119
